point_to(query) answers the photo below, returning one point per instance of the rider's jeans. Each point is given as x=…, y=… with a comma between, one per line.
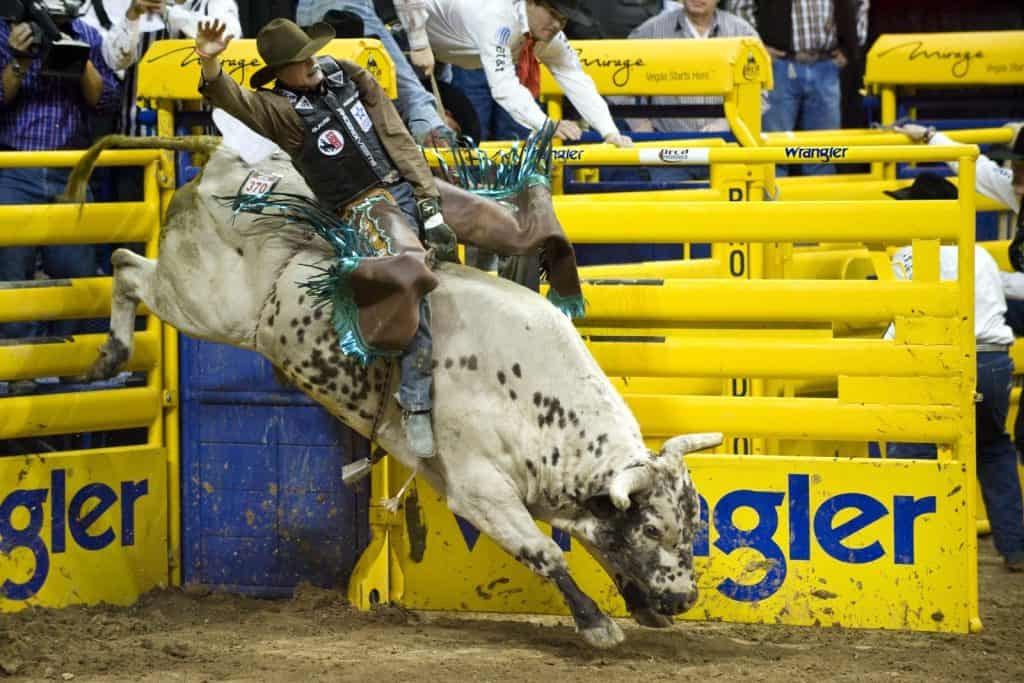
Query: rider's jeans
x=417, y=360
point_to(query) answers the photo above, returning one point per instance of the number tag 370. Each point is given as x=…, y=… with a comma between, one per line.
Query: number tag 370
x=256, y=186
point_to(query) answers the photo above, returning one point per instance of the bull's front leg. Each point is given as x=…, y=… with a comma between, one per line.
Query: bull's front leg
x=493, y=505
x=132, y=277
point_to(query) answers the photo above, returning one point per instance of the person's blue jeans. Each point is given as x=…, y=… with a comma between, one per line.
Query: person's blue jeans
x=415, y=104
x=1015, y=319
x=805, y=97
x=997, y=460
x=416, y=361
x=41, y=186
x=495, y=122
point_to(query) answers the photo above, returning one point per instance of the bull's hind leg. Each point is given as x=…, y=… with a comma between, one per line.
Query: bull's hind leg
x=503, y=517
x=133, y=276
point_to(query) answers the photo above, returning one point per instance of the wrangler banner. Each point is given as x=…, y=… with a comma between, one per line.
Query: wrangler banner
x=82, y=527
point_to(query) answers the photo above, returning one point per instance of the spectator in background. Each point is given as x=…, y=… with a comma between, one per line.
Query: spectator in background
x=496, y=50
x=415, y=104
x=42, y=111
x=130, y=27
x=810, y=42
x=614, y=19
x=999, y=300
x=695, y=20
x=254, y=14
x=996, y=460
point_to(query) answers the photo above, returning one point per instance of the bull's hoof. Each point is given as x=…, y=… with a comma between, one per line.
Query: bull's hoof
x=605, y=635
x=651, y=619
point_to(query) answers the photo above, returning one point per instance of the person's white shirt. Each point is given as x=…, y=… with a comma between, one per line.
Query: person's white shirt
x=991, y=179
x=989, y=301
x=995, y=182
x=121, y=41
x=472, y=34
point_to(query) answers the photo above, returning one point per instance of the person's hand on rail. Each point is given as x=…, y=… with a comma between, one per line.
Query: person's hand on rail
x=619, y=140
x=915, y=132
x=567, y=130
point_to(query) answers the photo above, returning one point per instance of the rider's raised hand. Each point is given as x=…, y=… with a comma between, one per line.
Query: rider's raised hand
x=210, y=38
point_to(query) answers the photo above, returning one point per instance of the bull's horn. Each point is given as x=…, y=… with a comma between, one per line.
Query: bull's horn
x=688, y=443
x=628, y=481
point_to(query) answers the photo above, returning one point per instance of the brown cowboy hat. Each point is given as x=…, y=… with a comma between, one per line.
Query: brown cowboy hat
x=282, y=42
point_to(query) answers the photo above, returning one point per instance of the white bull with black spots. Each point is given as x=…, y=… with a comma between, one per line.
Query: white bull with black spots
x=527, y=425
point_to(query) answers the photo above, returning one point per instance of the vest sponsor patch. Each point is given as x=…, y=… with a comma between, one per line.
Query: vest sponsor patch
x=331, y=142
x=361, y=116
x=303, y=105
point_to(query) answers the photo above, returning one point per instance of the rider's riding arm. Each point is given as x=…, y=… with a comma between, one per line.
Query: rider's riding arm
x=393, y=134
x=267, y=113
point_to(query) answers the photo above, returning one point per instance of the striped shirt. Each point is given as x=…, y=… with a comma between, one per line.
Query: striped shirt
x=673, y=23
x=814, y=29
x=50, y=113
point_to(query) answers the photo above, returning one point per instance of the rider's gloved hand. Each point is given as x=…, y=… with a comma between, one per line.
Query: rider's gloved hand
x=439, y=236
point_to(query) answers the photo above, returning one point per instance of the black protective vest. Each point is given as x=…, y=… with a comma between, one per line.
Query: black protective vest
x=341, y=155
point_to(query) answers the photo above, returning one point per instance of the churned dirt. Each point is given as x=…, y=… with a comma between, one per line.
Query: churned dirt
x=176, y=635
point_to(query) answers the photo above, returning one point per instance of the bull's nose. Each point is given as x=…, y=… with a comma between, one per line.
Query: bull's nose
x=677, y=603
x=691, y=599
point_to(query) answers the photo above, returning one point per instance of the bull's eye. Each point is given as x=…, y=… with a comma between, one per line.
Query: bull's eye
x=652, y=532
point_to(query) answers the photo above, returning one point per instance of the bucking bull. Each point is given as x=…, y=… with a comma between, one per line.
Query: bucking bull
x=527, y=425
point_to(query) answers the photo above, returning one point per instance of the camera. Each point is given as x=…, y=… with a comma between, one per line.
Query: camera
x=63, y=55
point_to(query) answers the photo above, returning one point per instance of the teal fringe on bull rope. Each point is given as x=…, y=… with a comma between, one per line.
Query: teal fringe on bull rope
x=572, y=306
x=504, y=176
x=507, y=173
x=331, y=286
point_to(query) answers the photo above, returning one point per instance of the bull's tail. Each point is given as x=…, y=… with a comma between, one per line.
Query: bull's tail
x=79, y=179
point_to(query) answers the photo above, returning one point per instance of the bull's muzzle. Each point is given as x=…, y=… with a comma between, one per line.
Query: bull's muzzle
x=677, y=603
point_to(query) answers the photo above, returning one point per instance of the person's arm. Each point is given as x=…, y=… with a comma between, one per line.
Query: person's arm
x=500, y=69
x=14, y=67
x=413, y=14
x=991, y=179
x=1013, y=285
x=255, y=110
x=393, y=134
x=745, y=9
x=121, y=42
x=561, y=60
x=101, y=88
x=182, y=20
x=863, y=10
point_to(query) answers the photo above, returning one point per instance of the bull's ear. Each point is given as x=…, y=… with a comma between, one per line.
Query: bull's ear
x=679, y=446
x=601, y=507
x=636, y=477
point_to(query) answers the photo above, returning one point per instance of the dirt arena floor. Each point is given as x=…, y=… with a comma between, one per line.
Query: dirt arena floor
x=188, y=636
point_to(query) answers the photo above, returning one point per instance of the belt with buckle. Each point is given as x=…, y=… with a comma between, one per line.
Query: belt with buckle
x=808, y=56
